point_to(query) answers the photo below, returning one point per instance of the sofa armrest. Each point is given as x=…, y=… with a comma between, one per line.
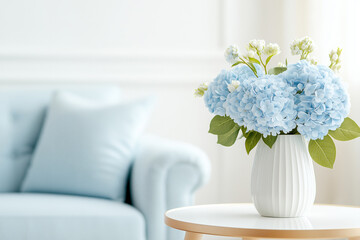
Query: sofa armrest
x=165, y=175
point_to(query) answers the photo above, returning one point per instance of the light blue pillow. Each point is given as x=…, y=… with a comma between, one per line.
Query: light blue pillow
x=86, y=148
x=22, y=114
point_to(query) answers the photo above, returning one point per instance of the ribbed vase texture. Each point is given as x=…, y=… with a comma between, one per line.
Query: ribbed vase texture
x=283, y=179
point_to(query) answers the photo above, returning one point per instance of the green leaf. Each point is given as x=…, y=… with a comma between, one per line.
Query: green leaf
x=323, y=151
x=221, y=124
x=244, y=133
x=277, y=70
x=269, y=140
x=229, y=138
x=237, y=63
x=253, y=67
x=254, y=60
x=347, y=131
x=286, y=63
x=252, y=140
x=268, y=59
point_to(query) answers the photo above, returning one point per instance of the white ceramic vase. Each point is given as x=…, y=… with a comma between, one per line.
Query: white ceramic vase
x=283, y=179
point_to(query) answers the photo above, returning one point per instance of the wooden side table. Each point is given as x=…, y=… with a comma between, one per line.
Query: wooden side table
x=242, y=220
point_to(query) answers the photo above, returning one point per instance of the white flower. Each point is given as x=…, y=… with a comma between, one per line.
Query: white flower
x=335, y=60
x=257, y=45
x=199, y=92
x=333, y=56
x=294, y=47
x=312, y=60
x=232, y=54
x=336, y=68
x=272, y=49
x=295, y=51
x=280, y=64
x=249, y=54
x=307, y=44
x=302, y=46
x=311, y=47
x=233, y=85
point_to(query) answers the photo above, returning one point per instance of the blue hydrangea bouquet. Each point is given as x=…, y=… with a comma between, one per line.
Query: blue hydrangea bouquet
x=257, y=103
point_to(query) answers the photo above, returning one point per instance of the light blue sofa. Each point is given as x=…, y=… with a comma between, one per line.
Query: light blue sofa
x=164, y=175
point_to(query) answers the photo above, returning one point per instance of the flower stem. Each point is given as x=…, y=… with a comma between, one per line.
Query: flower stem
x=304, y=55
x=254, y=70
x=262, y=63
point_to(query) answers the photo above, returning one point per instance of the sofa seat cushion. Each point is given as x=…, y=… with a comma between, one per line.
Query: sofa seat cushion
x=26, y=216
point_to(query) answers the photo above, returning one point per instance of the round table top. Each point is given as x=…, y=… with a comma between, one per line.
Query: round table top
x=242, y=220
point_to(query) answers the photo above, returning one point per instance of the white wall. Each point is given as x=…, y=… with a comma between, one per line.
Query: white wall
x=145, y=47
x=167, y=48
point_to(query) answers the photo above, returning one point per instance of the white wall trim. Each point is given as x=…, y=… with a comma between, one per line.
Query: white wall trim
x=111, y=54
x=111, y=66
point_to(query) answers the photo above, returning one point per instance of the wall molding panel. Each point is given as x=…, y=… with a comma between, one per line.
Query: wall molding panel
x=125, y=67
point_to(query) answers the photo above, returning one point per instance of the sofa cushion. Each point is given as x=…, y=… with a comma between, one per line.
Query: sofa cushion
x=22, y=112
x=86, y=149
x=60, y=217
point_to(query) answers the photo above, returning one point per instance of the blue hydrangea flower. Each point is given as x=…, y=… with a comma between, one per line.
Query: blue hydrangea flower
x=299, y=73
x=264, y=104
x=218, y=90
x=321, y=101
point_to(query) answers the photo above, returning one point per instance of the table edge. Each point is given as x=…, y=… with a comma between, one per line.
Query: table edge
x=262, y=233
